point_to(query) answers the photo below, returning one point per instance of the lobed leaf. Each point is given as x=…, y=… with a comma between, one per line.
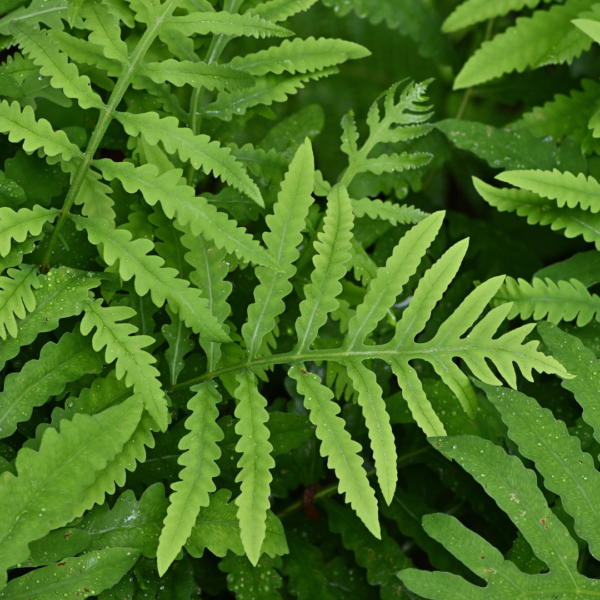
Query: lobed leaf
x=16, y=298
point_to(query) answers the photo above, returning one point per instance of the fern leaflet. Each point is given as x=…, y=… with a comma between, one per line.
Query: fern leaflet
x=196, y=478
x=387, y=211
x=254, y=464
x=280, y=10
x=16, y=298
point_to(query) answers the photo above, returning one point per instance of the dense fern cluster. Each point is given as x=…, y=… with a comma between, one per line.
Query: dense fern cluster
x=235, y=362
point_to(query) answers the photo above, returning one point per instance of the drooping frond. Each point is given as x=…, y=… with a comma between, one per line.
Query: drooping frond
x=333, y=252
x=16, y=298
x=191, y=210
x=377, y=420
x=267, y=89
x=337, y=445
x=61, y=294
x=150, y=276
x=532, y=42
x=538, y=210
x=224, y=23
x=475, y=11
x=387, y=211
x=55, y=64
x=21, y=125
x=545, y=299
x=52, y=480
x=281, y=10
x=68, y=360
x=300, y=56
x=284, y=235
x=198, y=149
x=196, y=478
x=255, y=464
x=128, y=350
x=196, y=74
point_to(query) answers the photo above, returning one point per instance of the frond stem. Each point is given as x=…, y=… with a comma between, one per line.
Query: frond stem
x=106, y=116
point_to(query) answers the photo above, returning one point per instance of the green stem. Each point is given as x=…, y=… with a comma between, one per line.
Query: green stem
x=106, y=116
x=332, y=489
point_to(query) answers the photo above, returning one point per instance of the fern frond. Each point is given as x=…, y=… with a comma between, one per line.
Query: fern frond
x=105, y=32
x=255, y=463
x=387, y=211
x=566, y=188
x=61, y=294
x=55, y=64
x=18, y=252
x=49, y=12
x=52, y=480
x=191, y=211
x=16, y=298
x=198, y=149
x=471, y=12
x=150, y=275
x=567, y=471
x=548, y=37
x=94, y=199
x=84, y=52
x=268, y=89
x=337, y=445
x=196, y=74
x=390, y=279
x=210, y=270
x=377, y=420
x=575, y=221
x=281, y=10
x=333, y=252
x=565, y=300
x=579, y=361
x=21, y=126
x=284, y=235
x=300, y=56
x=18, y=225
x=224, y=23
x=196, y=478
x=68, y=360
x=128, y=350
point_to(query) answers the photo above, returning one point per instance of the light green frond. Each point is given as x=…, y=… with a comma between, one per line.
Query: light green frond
x=86, y=53
x=574, y=221
x=52, y=480
x=18, y=225
x=285, y=234
x=128, y=350
x=566, y=188
x=22, y=126
x=105, y=32
x=210, y=269
x=94, y=199
x=224, y=23
x=370, y=398
x=268, y=89
x=333, y=252
x=196, y=478
x=55, y=64
x=300, y=56
x=390, y=163
x=476, y=11
x=390, y=280
x=150, y=276
x=337, y=445
x=565, y=300
x=255, y=464
x=61, y=294
x=281, y=10
x=198, y=149
x=196, y=74
x=192, y=211
x=548, y=37
x=49, y=12
x=16, y=298
x=68, y=360
x=567, y=471
x=387, y=211
x=18, y=252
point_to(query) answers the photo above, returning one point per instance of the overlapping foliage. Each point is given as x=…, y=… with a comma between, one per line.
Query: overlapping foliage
x=235, y=361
